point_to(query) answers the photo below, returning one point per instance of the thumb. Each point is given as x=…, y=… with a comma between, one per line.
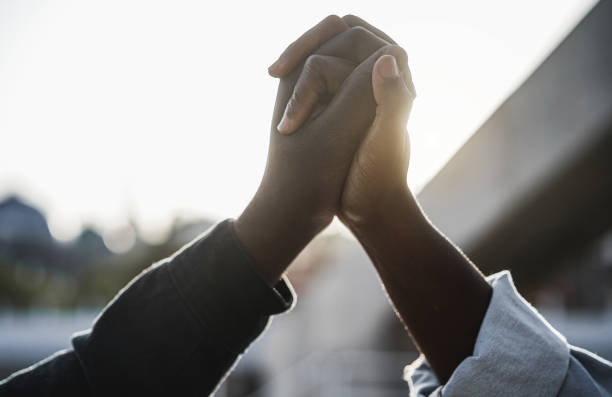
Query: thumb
x=393, y=93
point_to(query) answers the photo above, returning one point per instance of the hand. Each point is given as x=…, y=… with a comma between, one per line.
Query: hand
x=305, y=172
x=415, y=262
x=377, y=178
x=378, y=170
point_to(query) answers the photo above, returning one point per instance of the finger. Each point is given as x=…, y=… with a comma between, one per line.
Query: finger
x=306, y=44
x=353, y=107
x=387, y=139
x=355, y=44
x=320, y=77
x=393, y=97
x=353, y=20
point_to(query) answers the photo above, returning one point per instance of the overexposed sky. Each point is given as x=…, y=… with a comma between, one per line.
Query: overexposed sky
x=153, y=109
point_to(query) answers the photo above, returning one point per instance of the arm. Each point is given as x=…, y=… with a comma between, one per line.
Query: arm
x=480, y=337
x=178, y=327
x=415, y=262
x=478, y=334
x=433, y=286
x=437, y=292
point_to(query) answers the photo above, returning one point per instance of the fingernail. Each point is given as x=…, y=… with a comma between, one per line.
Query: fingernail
x=284, y=125
x=388, y=67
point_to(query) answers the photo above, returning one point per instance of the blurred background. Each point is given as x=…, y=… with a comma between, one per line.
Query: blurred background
x=130, y=127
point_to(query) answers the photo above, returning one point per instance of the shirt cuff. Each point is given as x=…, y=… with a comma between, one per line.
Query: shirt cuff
x=231, y=295
x=517, y=352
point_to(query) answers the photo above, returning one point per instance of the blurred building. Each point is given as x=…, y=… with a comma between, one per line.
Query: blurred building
x=532, y=188
x=21, y=222
x=24, y=234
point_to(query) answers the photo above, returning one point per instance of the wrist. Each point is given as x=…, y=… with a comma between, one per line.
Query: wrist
x=398, y=206
x=274, y=232
x=395, y=235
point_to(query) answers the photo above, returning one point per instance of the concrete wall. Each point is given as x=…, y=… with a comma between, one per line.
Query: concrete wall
x=541, y=164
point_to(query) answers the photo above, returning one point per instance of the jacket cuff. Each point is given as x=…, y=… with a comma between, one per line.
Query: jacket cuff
x=231, y=295
x=517, y=352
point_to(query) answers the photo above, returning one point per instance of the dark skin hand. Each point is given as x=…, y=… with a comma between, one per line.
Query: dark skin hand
x=440, y=296
x=302, y=185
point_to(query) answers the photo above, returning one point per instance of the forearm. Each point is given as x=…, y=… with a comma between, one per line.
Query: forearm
x=438, y=293
x=59, y=375
x=180, y=325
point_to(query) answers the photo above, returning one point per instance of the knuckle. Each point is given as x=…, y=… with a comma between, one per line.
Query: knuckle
x=395, y=50
x=290, y=111
x=313, y=63
x=298, y=99
x=333, y=19
x=292, y=105
x=359, y=33
x=330, y=25
x=312, y=81
x=398, y=52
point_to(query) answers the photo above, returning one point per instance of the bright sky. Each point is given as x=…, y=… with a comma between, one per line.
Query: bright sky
x=162, y=108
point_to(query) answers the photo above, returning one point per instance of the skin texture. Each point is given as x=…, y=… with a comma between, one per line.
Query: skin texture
x=431, y=283
x=301, y=189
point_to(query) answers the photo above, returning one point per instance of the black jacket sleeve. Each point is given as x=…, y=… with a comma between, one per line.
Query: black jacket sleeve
x=176, y=329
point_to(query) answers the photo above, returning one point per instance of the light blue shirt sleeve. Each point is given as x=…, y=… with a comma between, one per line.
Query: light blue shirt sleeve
x=517, y=353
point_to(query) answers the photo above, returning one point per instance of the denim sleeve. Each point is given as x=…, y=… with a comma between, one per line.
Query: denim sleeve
x=517, y=353
x=176, y=329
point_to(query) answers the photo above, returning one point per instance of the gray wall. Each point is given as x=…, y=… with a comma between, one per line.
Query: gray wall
x=535, y=178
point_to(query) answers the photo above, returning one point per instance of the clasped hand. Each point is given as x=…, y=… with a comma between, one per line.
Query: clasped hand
x=338, y=142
